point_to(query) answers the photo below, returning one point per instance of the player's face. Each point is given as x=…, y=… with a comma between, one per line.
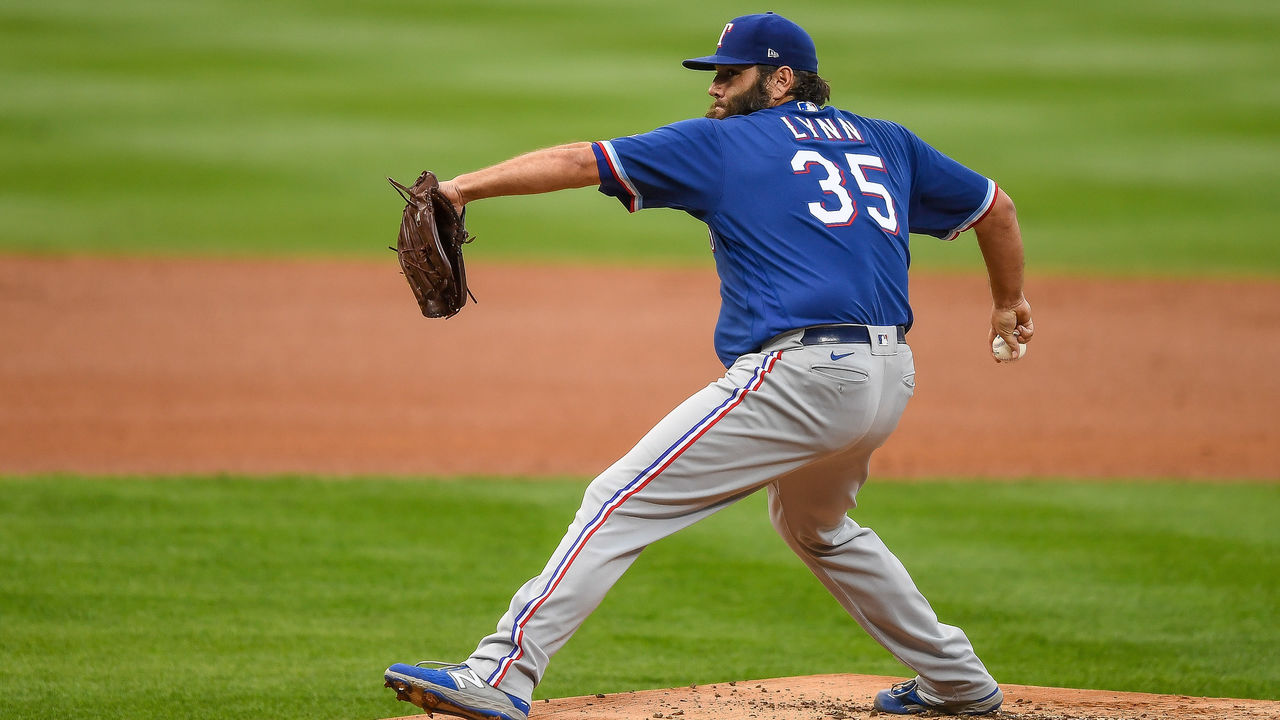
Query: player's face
x=736, y=90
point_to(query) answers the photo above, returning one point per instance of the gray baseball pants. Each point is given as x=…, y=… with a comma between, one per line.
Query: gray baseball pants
x=799, y=420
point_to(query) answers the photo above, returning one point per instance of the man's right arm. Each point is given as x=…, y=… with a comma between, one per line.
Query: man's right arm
x=1000, y=240
x=541, y=171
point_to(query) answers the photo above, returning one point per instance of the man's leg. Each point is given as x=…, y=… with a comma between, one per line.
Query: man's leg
x=808, y=508
x=720, y=445
x=876, y=590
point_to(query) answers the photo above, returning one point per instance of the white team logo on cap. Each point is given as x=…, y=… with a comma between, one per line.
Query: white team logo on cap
x=727, y=28
x=773, y=53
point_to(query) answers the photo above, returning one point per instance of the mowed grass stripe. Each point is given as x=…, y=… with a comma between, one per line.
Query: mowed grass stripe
x=226, y=597
x=1136, y=137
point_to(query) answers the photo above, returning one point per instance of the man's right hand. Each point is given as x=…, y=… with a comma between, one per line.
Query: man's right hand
x=1013, y=324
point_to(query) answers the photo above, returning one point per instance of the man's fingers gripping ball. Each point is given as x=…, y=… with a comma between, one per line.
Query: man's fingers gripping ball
x=1001, y=351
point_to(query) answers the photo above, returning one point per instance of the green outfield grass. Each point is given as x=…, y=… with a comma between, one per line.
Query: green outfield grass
x=1136, y=137
x=221, y=598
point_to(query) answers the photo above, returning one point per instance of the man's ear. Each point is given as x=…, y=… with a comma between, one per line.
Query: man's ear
x=784, y=78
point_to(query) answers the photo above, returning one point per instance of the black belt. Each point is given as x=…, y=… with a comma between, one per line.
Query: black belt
x=836, y=334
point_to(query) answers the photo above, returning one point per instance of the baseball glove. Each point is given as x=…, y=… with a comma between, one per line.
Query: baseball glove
x=430, y=244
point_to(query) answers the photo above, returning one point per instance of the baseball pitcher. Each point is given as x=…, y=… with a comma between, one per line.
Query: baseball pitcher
x=809, y=209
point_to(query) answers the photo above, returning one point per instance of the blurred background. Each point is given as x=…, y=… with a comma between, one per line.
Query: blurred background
x=1136, y=137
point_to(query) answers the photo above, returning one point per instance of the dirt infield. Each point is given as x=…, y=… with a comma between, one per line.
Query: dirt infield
x=176, y=366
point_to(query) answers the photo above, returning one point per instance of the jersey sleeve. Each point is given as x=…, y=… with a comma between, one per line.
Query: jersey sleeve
x=947, y=198
x=676, y=166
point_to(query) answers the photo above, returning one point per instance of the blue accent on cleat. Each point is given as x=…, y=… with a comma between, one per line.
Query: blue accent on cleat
x=453, y=689
x=905, y=699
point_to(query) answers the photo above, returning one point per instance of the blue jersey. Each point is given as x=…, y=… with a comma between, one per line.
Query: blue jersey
x=809, y=211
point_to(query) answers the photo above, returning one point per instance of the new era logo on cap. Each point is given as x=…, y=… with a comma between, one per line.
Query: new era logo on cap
x=762, y=39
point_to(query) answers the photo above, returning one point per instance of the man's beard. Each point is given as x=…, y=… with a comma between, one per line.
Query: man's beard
x=748, y=101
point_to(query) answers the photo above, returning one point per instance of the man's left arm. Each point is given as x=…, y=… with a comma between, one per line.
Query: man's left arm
x=1000, y=240
x=541, y=171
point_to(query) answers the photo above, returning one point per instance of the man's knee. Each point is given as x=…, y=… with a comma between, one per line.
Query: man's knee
x=808, y=532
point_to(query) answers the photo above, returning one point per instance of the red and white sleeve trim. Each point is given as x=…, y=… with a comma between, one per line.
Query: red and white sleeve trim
x=636, y=202
x=987, y=203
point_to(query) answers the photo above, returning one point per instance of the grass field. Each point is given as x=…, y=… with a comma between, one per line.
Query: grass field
x=1136, y=137
x=223, y=598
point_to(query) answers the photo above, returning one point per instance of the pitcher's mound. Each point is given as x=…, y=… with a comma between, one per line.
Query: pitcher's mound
x=848, y=697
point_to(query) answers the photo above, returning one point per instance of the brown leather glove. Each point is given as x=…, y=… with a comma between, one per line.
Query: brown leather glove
x=430, y=244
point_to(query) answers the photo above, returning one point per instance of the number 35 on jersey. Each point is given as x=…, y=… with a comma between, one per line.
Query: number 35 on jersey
x=831, y=180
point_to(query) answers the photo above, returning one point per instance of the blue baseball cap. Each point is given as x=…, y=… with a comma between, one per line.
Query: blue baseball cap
x=763, y=39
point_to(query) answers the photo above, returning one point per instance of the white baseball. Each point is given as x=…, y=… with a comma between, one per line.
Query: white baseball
x=1001, y=350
